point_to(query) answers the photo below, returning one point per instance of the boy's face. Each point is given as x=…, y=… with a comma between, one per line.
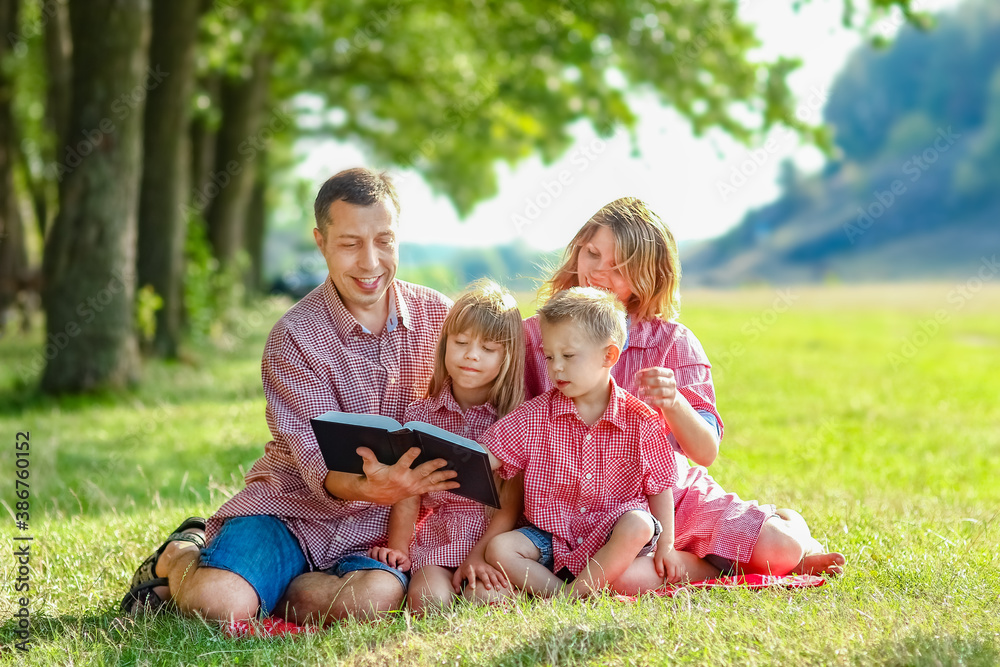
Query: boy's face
x=576, y=364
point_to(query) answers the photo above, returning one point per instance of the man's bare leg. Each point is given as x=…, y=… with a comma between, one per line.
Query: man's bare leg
x=315, y=597
x=207, y=592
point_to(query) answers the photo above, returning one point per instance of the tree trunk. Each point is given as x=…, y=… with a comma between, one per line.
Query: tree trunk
x=164, y=190
x=256, y=228
x=13, y=253
x=58, y=67
x=239, y=143
x=203, y=140
x=90, y=252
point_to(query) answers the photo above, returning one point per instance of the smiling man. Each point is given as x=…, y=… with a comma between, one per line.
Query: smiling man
x=362, y=342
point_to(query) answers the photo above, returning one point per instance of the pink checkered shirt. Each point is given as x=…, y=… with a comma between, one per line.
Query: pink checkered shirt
x=319, y=358
x=650, y=343
x=449, y=525
x=578, y=479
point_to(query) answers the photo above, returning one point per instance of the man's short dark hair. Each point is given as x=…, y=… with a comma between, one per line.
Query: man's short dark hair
x=358, y=186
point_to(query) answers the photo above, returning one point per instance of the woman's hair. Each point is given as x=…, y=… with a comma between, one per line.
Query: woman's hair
x=645, y=251
x=489, y=311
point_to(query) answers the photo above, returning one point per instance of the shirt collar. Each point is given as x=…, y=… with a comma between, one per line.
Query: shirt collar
x=445, y=400
x=347, y=325
x=561, y=405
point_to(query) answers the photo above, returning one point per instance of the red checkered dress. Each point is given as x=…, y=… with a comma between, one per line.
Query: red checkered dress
x=578, y=479
x=707, y=519
x=449, y=525
x=318, y=358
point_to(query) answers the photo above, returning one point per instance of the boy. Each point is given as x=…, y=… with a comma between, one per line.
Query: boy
x=598, y=469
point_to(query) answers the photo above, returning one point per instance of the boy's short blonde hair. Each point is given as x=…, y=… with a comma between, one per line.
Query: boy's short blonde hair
x=600, y=314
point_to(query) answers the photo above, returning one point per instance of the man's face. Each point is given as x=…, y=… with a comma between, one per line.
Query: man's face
x=574, y=361
x=360, y=252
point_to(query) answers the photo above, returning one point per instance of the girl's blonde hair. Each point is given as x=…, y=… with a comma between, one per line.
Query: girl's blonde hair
x=645, y=251
x=489, y=311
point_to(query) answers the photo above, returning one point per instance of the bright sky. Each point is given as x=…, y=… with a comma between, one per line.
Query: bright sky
x=677, y=174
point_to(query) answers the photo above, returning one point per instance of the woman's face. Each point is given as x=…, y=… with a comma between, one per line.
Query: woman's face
x=596, y=266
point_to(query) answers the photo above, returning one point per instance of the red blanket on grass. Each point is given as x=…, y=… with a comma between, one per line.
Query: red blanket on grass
x=273, y=627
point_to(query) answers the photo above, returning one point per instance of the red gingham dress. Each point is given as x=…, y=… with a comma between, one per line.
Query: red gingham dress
x=707, y=519
x=578, y=479
x=449, y=525
x=319, y=358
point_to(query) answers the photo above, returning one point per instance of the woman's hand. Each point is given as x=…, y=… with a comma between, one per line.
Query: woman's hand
x=658, y=388
x=391, y=557
x=475, y=568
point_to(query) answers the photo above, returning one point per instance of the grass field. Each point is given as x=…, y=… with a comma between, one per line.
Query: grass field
x=874, y=411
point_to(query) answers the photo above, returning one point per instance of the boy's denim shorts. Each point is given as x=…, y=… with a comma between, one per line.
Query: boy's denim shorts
x=262, y=551
x=543, y=541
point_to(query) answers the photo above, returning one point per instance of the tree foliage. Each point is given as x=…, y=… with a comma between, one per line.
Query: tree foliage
x=449, y=89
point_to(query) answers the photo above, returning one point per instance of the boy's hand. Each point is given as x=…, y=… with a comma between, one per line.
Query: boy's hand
x=475, y=568
x=391, y=557
x=669, y=564
x=657, y=387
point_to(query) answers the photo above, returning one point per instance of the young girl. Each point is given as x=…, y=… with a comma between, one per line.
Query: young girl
x=478, y=378
x=626, y=249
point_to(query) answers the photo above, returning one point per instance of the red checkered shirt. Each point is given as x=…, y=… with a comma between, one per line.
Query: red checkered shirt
x=650, y=343
x=449, y=525
x=319, y=358
x=578, y=479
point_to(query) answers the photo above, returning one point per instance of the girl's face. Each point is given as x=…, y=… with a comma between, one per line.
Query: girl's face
x=596, y=266
x=473, y=364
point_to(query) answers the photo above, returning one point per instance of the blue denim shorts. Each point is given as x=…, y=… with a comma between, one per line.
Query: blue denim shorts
x=260, y=549
x=543, y=541
x=356, y=562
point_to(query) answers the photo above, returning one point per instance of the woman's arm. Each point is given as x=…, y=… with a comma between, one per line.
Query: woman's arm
x=697, y=438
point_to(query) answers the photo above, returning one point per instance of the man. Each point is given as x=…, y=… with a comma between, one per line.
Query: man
x=362, y=342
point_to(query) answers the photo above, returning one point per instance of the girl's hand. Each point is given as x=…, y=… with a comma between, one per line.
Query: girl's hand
x=475, y=568
x=391, y=557
x=669, y=564
x=658, y=388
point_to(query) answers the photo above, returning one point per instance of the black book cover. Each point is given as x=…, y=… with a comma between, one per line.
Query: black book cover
x=339, y=434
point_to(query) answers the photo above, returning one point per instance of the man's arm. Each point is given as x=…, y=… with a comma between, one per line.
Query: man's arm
x=295, y=393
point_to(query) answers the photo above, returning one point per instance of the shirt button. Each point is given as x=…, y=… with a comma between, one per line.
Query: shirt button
x=579, y=540
x=587, y=438
x=392, y=380
x=582, y=510
x=589, y=476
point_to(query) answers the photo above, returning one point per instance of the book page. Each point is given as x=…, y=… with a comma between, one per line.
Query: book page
x=371, y=421
x=430, y=429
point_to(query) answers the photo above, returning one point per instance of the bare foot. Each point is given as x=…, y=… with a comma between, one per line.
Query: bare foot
x=166, y=559
x=822, y=563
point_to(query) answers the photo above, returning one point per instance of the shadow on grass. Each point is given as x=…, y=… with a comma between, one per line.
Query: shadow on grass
x=170, y=639
x=929, y=649
x=563, y=645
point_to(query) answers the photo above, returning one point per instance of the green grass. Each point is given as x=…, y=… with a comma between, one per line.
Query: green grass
x=894, y=464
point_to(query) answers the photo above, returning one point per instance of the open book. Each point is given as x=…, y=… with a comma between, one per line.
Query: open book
x=339, y=434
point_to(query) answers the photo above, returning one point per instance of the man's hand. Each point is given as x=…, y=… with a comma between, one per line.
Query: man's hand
x=475, y=568
x=387, y=485
x=391, y=557
x=658, y=388
x=668, y=564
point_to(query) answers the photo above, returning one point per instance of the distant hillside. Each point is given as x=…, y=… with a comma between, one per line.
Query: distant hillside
x=914, y=193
